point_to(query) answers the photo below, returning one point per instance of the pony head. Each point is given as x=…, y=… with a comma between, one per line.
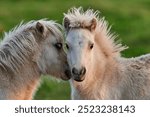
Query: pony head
x=88, y=41
x=39, y=43
x=52, y=59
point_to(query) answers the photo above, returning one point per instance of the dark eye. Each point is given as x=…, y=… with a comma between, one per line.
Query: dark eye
x=58, y=46
x=67, y=46
x=91, y=45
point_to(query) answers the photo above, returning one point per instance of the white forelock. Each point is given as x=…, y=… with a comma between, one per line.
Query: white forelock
x=77, y=16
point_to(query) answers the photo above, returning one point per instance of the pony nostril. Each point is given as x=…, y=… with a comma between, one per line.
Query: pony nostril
x=83, y=71
x=75, y=71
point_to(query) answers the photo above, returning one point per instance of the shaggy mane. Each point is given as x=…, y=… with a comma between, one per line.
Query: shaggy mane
x=20, y=43
x=80, y=19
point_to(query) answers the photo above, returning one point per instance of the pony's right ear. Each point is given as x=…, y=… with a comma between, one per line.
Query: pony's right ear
x=40, y=27
x=66, y=24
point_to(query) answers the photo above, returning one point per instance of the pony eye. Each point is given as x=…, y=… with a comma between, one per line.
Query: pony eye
x=91, y=45
x=58, y=46
x=67, y=46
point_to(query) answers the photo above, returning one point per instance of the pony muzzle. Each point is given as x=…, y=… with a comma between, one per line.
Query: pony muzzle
x=78, y=74
x=68, y=74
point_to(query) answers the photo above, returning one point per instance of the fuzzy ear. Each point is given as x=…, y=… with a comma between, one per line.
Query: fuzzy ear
x=92, y=25
x=66, y=24
x=40, y=27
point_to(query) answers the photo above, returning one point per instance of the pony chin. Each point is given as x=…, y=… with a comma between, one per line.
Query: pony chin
x=67, y=76
x=78, y=79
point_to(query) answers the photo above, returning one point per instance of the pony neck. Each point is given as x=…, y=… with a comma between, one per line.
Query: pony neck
x=23, y=83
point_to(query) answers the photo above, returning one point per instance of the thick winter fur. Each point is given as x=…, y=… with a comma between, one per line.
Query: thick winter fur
x=27, y=52
x=108, y=76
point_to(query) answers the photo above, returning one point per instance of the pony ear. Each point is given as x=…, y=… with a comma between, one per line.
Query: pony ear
x=92, y=25
x=40, y=27
x=66, y=24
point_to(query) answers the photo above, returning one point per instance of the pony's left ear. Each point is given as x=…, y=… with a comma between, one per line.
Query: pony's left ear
x=93, y=24
x=40, y=27
x=66, y=24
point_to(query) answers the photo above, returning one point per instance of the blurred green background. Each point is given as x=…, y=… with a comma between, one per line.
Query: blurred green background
x=130, y=19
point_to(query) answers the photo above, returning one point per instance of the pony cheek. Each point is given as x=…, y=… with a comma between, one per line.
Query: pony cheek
x=70, y=59
x=86, y=59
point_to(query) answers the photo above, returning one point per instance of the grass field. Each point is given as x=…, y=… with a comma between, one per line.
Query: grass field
x=130, y=19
